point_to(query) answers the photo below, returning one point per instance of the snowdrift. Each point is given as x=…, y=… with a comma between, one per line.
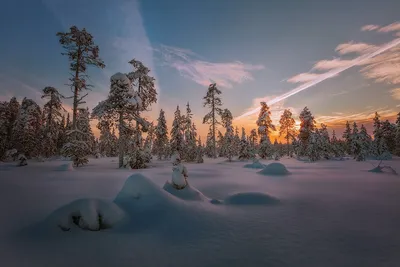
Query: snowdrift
x=65, y=167
x=255, y=165
x=188, y=193
x=274, y=169
x=250, y=198
x=86, y=214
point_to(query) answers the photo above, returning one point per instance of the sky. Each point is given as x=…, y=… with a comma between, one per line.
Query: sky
x=254, y=50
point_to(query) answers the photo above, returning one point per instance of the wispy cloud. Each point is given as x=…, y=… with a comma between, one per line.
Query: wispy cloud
x=353, y=47
x=395, y=93
x=303, y=77
x=394, y=27
x=370, y=27
x=189, y=65
x=381, y=64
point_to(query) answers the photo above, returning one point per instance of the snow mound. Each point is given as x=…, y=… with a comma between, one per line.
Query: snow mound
x=250, y=198
x=87, y=214
x=140, y=192
x=255, y=165
x=274, y=169
x=65, y=167
x=188, y=193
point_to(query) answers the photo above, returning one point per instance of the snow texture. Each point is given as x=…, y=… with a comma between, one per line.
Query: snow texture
x=187, y=193
x=275, y=168
x=330, y=213
x=250, y=198
x=65, y=167
x=255, y=165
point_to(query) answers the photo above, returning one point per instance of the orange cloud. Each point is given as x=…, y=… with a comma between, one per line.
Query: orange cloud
x=370, y=27
x=395, y=93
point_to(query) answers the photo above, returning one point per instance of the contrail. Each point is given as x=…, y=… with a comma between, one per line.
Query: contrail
x=327, y=75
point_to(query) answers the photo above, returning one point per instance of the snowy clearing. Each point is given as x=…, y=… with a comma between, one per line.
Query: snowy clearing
x=327, y=213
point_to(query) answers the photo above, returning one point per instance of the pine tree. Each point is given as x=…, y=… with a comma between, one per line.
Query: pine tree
x=190, y=146
x=265, y=127
x=177, y=140
x=307, y=126
x=12, y=114
x=287, y=127
x=121, y=107
x=336, y=146
x=313, y=146
x=347, y=134
x=27, y=128
x=106, y=139
x=53, y=115
x=3, y=128
x=253, y=142
x=228, y=144
x=199, y=152
x=354, y=145
x=81, y=52
x=388, y=131
x=209, y=149
x=220, y=145
x=397, y=151
x=362, y=146
x=212, y=101
x=325, y=144
x=244, y=149
x=161, y=137
x=236, y=142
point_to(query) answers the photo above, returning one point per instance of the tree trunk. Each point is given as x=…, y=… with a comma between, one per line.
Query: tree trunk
x=287, y=142
x=121, y=141
x=76, y=91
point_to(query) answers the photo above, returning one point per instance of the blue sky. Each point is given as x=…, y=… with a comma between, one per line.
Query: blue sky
x=255, y=50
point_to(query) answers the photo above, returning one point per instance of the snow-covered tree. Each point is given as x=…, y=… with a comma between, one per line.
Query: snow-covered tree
x=177, y=141
x=212, y=101
x=347, y=134
x=3, y=128
x=107, y=140
x=313, y=146
x=220, y=145
x=199, y=152
x=27, y=128
x=236, y=142
x=307, y=126
x=253, y=141
x=287, y=127
x=228, y=144
x=82, y=52
x=53, y=115
x=161, y=137
x=121, y=107
x=209, y=149
x=265, y=127
x=325, y=144
x=190, y=134
x=244, y=148
x=397, y=151
x=337, y=149
x=388, y=131
x=361, y=146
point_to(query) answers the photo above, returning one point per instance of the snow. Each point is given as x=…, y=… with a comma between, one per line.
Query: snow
x=329, y=213
x=250, y=198
x=275, y=168
x=65, y=167
x=187, y=193
x=255, y=165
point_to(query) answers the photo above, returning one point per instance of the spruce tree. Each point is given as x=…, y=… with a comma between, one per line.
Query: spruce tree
x=27, y=128
x=199, y=152
x=326, y=147
x=213, y=101
x=244, y=148
x=228, y=144
x=121, y=107
x=190, y=146
x=307, y=126
x=397, y=151
x=177, y=140
x=209, y=149
x=347, y=134
x=265, y=127
x=220, y=145
x=161, y=137
x=53, y=115
x=287, y=127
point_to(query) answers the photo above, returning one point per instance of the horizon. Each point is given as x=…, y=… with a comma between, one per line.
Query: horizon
x=240, y=52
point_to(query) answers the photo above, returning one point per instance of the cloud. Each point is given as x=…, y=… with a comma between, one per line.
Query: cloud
x=303, y=77
x=188, y=64
x=332, y=64
x=395, y=93
x=353, y=47
x=339, y=119
x=394, y=27
x=370, y=27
